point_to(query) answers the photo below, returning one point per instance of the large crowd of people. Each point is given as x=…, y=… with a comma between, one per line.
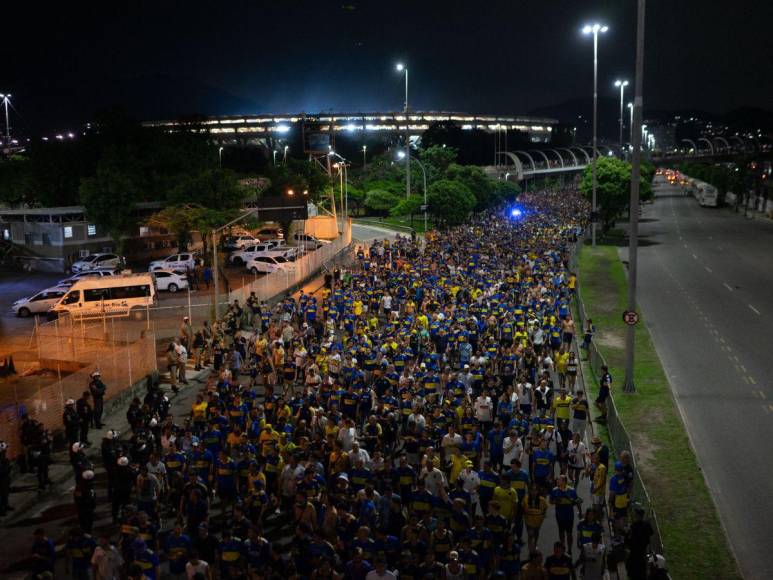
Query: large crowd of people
x=420, y=416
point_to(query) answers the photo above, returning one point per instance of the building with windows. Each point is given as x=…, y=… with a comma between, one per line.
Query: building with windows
x=52, y=238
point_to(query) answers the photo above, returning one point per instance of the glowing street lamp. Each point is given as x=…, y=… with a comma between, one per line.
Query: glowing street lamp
x=621, y=85
x=7, y=99
x=400, y=67
x=595, y=29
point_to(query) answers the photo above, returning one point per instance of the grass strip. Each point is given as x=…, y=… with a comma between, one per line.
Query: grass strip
x=694, y=540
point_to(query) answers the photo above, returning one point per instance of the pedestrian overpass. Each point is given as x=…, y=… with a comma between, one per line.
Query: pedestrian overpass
x=525, y=164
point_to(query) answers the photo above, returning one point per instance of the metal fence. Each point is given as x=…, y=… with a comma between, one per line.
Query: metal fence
x=311, y=263
x=618, y=435
x=67, y=352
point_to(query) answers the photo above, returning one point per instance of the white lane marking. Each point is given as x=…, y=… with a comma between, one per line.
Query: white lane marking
x=757, y=312
x=694, y=257
x=726, y=286
x=685, y=245
x=709, y=270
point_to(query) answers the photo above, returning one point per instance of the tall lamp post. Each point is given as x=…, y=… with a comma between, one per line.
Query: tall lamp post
x=401, y=155
x=595, y=29
x=621, y=85
x=630, y=124
x=220, y=156
x=284, y=156
x=344, y=177
x=402, y=68
x=633, y=226
x=7, y=99
x=364, y=156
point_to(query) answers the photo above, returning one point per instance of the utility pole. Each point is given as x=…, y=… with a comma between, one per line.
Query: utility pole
x=6, y=100
x=633, y=227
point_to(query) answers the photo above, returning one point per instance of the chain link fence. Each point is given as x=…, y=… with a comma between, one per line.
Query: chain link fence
x=618, y=435
x=66, y=352
x=305, y=266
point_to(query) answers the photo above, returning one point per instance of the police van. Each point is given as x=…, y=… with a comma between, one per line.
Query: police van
x=108, y=296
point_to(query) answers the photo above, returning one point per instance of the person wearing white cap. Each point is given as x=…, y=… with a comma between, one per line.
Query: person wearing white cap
x=85, y=500
x=71, y=421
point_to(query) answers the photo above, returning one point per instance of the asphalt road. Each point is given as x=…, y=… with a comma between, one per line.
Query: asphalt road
x=706, y=290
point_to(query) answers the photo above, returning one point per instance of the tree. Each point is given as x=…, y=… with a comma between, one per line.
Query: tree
x=475, y=180
x=210, y=188
x=408, y=206
x=381, y=200
x=505, y=191
x=184, y=219
x=109, y=198
x=437, y=159
x=450, y=202
x=613, y=178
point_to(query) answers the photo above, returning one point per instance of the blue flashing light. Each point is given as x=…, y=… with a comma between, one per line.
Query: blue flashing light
x=516, y=213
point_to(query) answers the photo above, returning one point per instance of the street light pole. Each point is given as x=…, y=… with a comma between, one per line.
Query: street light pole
x=344, y=177
x=6, y=100
x=633, y=227
x=424, y=179
x=275, y=152
x=594, y=29
x=284, y=157
x=364, y=156
x=402, y=68
x=220, y=156
x=622, y=85
x=630, y=110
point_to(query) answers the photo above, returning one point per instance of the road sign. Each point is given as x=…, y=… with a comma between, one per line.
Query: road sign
x=423, y=207
x=630, y=317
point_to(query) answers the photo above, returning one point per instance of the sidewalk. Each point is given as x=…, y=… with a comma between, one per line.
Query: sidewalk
x=54, y=509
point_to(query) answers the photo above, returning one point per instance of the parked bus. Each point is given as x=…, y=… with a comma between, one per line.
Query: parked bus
x=705, y=193
x=111, y=296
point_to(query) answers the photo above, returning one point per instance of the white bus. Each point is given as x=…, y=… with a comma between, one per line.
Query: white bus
x=108, y=296
x=705, y=193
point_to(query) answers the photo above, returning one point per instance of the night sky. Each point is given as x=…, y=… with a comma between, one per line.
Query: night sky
x=163, y=58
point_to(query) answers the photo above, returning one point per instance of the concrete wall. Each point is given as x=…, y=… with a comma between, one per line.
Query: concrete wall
x=324, y=227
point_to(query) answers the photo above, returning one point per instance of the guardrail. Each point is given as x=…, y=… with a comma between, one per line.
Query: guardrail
x=384, y=225
x=618, y=434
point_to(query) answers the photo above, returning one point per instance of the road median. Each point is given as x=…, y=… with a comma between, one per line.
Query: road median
x=694, y=541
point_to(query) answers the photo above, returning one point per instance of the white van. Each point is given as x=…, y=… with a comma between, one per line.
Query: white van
x=111, y=296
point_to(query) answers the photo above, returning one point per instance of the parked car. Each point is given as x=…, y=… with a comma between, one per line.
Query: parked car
x=308, y=241
x=170, y=280
x=39, y=303
x=274, y=247
x=238, y=242
x=288, y=253
x=95, y=261
x=98, y=273
x=268, y=264
x=177, y=262
x=269, y=233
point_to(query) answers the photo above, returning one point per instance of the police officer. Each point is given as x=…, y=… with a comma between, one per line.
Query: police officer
x=30, y=436
x=71, y=421
x=86, y=416
x=97, y=389
x=5, y=478
x=85, y=497
x=80, y=463
x=124, y=482
x=41, y=455
x=110, y=449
